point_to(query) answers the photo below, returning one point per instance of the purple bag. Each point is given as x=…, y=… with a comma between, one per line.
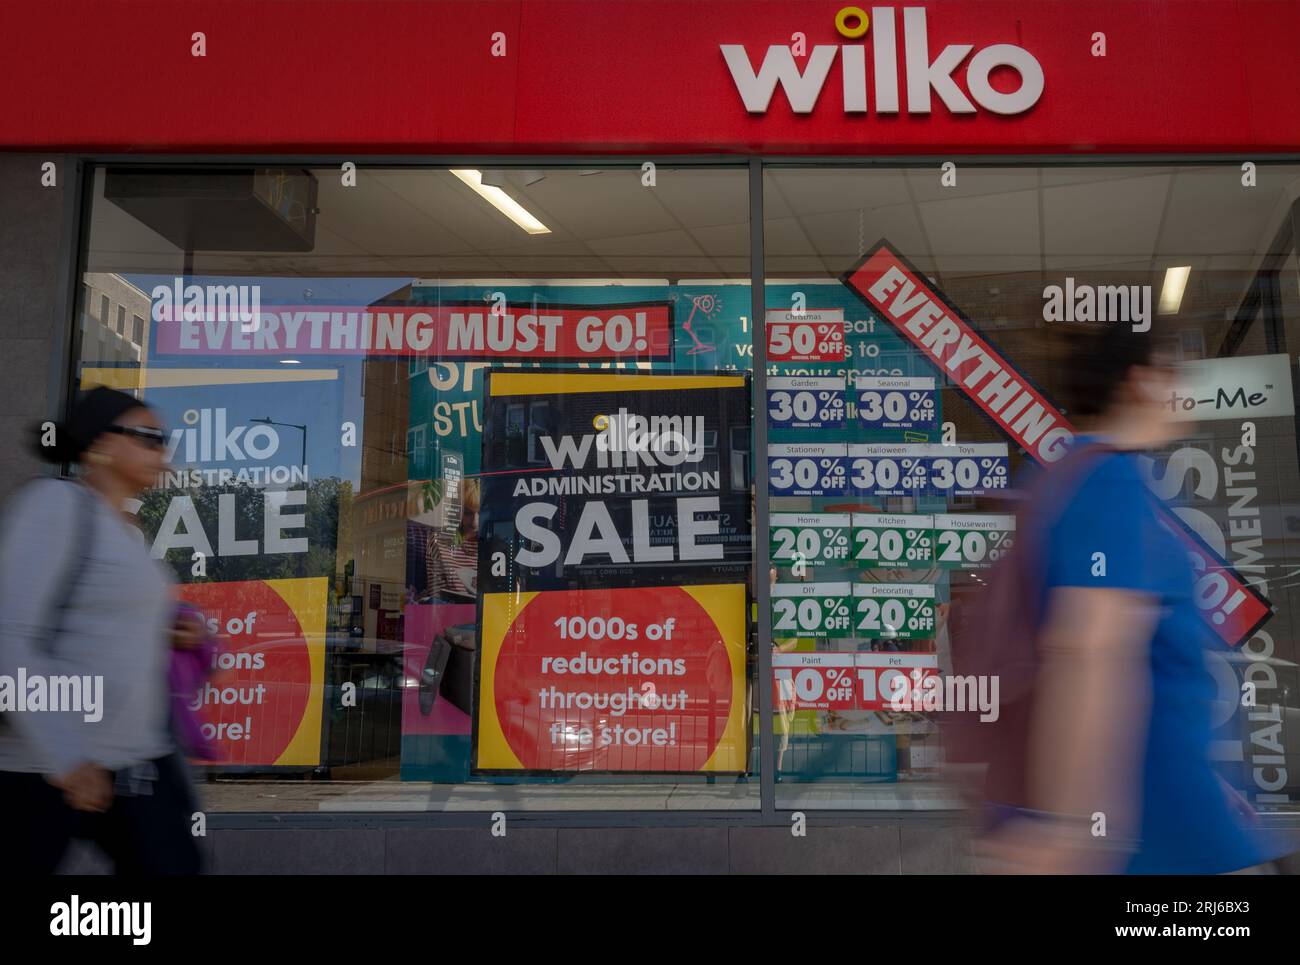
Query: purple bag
x=187, y=672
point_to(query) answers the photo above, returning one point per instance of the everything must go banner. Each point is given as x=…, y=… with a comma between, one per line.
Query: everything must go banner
x=614, y=555
x=637, y=330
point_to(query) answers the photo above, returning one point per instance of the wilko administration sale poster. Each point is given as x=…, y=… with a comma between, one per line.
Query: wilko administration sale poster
x=262, y=706
x=613, y=560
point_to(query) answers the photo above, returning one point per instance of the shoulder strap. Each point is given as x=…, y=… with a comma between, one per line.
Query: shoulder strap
x=67, y=584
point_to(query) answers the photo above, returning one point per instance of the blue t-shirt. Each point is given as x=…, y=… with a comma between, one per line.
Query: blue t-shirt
x=1187, y=825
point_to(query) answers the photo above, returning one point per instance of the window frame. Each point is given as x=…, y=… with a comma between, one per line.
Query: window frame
x=71, y=266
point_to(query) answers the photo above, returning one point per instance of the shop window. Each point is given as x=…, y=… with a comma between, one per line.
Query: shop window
x=992, y=250
x=357, y=413
x=382, y=444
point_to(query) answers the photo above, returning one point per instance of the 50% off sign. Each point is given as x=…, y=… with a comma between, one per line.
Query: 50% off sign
x=809, y=337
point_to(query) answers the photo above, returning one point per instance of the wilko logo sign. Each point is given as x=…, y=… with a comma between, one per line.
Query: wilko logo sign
x=925, y=75
x=900, y=294
x=640, y=331
x=210, y=439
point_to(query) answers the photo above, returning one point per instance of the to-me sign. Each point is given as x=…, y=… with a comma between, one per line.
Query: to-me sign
x=802, y=88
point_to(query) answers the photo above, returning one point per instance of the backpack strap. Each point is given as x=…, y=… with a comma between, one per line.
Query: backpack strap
x=66, y=586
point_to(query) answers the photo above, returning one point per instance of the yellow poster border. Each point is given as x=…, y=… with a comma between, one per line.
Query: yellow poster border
x=575, y=383
x=725, y=603
x=307, y=598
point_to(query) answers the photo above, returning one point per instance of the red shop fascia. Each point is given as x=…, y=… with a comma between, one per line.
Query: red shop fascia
x=651, y=77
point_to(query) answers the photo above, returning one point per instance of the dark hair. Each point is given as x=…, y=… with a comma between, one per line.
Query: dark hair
x=91, y=414
x=1097, y=362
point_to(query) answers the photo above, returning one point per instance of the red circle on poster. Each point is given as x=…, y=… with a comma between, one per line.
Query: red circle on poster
x=255, y=701
x=582, y=683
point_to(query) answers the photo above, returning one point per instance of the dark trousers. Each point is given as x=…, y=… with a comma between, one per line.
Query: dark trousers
x=142, y=833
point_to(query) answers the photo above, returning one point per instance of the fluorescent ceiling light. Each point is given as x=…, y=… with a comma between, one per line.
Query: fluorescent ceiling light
x=548, y=282
x=1171, y=295
x=507, y=205
x=290, y=361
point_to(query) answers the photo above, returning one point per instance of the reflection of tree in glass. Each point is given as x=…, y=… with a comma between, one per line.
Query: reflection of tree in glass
x=236, y=601
x=431, y=493
x=326, y=499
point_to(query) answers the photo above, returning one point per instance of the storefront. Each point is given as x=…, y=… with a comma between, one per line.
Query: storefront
x=584, y=413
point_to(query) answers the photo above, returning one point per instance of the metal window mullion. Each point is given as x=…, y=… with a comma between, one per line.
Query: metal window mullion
x=66, y=342
x=762, y=563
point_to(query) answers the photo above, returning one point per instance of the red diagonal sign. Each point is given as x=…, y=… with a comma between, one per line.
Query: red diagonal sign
x=899, y=293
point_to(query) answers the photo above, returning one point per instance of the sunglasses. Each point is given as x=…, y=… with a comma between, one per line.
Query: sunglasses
x=149, y=436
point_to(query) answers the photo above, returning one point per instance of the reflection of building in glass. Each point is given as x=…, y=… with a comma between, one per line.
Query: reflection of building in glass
x=379, y=560
x=115, y=320
x=380, y=509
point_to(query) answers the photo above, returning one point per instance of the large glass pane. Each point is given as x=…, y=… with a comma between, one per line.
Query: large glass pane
x=409, y=487
x=889, y=501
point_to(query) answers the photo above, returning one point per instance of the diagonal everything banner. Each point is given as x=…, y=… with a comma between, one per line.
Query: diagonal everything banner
x=901, y=294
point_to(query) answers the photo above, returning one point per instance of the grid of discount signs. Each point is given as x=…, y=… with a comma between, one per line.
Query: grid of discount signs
x=862, y=538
